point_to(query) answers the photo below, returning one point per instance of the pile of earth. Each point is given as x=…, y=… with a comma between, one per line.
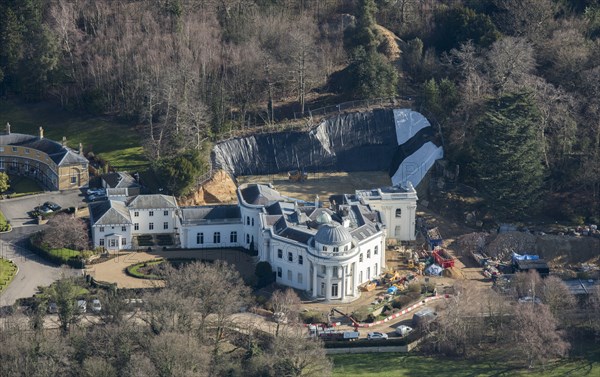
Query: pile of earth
x=556, y=249
x=219, y=189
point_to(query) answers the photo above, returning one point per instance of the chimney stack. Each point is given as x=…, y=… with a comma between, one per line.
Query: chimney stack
x=64, y=141
x=81, y=149
x=7, y=128
x=41, y=132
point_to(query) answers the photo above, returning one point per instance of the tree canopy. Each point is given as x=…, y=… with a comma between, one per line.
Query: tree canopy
x=507, y=154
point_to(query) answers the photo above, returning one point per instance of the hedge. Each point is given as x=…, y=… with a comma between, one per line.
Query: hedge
x=69, y=257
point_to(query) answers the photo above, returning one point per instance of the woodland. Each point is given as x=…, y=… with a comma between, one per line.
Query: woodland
x=513, y=84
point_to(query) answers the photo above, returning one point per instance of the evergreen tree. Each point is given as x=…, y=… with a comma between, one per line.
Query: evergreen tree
x=370, y=74
x=507, y=154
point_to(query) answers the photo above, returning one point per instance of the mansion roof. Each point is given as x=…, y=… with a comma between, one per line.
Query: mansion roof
x=60, y=154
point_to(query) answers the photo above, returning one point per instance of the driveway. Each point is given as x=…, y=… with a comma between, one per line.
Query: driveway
x=33, y=270
x=16, y=209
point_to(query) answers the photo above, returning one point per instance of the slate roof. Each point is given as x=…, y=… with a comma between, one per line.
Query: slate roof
x=61, y=155
x=258, y=194
x=213, y=214
x=120, y=180
x=156, y=201
x=109, y=212
x=333, y=234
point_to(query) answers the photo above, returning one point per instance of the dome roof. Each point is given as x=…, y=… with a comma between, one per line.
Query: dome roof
x=324, y=218
x=333, y=234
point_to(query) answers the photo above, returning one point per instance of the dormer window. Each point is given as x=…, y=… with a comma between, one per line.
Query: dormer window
x=336, y=249
x=324, y=248
x=398, y=212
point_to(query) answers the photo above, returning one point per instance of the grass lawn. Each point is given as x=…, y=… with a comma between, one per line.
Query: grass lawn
x=65, y=253
x=400, y=365
x=7, y=273
x=117, y=142
x=24, y=185
x=3, y=223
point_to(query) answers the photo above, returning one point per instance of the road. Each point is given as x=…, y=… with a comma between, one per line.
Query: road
x=33, y=270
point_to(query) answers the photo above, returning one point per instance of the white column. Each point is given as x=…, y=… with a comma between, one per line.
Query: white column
x=343, y=283
x=314, y=280
x=355, y=279
x=328, y=283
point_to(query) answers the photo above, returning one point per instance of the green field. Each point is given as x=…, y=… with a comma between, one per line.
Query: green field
x=118, y=143
x=400, y=365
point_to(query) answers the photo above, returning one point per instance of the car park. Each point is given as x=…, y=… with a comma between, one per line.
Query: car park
x=96, y=306
x=377, y=336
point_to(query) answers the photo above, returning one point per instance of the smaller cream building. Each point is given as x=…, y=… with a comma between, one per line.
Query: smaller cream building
x=52, y=164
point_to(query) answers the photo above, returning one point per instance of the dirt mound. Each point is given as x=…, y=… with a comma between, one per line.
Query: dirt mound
x=220, y=189
x=568, y=249
x=471, y=243
x=390, y=43
x=453, y=273
x=506, y=243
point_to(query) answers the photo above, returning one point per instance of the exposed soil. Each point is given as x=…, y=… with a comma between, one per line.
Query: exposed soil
x=220, y=189
x=322, y=184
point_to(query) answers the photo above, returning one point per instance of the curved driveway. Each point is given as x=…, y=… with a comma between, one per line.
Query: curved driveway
x=33, y=270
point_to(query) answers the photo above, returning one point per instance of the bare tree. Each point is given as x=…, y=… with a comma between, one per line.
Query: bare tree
x=293, y=355
x=535, y=335
x=557, y=296
x=215, y=291
x=286, y=306
x=527, y=284
x=65, y=231
x=460, y=325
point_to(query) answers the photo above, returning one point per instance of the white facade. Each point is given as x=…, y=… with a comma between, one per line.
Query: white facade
x=327, y=252
x=115, y=223
x=398, y=206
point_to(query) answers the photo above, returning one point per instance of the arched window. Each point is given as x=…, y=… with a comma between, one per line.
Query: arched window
x=369, y=253
x=376, y=250
x=360, y=257
x=398, y=212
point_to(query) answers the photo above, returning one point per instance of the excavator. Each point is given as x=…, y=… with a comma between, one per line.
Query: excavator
x=354, y=323
x=297, y=175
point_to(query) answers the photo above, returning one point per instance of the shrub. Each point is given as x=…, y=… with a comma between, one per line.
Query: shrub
x=401, y=302
x=312, y=317
x=361, y=314
x=264, y=274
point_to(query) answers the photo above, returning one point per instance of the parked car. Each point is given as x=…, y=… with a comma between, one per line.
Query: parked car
x=403, y=330
x=96, y=306
x=526, y=299
x=376, y=336
x=97, y=197
x=52, y=206
x=82, y=306
x=96, y=191
x=52, y=308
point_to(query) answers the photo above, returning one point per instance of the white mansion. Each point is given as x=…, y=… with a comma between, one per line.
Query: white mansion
x=327, y=252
